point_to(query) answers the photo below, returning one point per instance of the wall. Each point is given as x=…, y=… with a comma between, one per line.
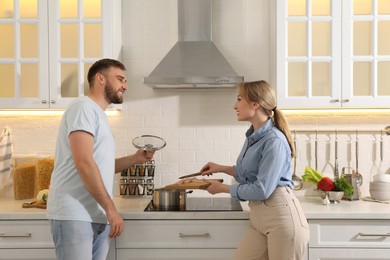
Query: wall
x=200, y=125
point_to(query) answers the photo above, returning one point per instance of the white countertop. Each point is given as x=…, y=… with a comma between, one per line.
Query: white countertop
x=11, y=209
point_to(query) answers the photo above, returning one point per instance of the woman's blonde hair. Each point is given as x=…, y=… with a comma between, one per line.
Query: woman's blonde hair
x=261, y=92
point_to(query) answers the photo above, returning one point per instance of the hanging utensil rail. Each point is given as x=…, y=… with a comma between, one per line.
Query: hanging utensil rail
x=341, y=131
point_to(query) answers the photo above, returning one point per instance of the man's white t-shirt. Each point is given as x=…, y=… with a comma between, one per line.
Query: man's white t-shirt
x=68, y=198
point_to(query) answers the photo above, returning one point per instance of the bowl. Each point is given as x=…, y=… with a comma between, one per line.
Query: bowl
x=381, y=186
x=381, y=178
x=377, y=185
x=380, y=195
x=333, y=196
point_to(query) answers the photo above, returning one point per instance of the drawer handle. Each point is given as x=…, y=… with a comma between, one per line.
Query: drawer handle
x=374, y=235
x=15, y=235
x=194, y=235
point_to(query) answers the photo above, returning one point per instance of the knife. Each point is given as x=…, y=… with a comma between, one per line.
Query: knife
x=190, y=175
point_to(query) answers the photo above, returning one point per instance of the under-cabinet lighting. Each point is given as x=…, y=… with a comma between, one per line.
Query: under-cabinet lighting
x=336, y=111
x=43, y=113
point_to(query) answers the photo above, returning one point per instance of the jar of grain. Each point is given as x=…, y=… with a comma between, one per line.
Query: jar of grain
x=24, y=181
x=44, y=169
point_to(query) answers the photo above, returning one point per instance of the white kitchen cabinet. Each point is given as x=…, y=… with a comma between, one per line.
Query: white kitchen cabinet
x=180, y=239
x=349, y=254
x=332, y=54
x=349, y=239
x=174, y=254
x=26, y=240
x=52, y=45
x=31, y=239
x=27, y=254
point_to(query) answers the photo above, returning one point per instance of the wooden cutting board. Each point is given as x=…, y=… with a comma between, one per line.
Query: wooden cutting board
x=200, y=184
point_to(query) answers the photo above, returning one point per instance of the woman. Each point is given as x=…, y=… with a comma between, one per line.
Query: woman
x=278, y=228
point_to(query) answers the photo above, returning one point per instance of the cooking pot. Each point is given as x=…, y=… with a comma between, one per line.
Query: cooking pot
x=169, y=200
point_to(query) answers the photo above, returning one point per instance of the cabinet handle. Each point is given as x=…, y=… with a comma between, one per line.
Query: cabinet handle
x=194, y=235
x=374, y=235
x=334, y=101
x=15, y=235
x=345, y=100
x=44, y=101
x=52, y=101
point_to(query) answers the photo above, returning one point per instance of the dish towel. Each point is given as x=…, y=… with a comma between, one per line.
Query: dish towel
x=6, y=151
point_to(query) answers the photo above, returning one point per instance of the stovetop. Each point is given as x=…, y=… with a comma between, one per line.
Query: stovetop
x=205, y=204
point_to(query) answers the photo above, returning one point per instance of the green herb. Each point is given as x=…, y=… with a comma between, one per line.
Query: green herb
x=312, y=175
x=342, y=184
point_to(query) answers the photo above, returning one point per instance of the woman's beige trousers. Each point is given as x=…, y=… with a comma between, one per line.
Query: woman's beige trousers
x=278, y=229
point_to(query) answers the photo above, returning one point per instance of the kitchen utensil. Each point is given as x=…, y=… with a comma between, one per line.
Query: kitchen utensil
x=198, y=184
x=350, y=175
x=381, y=167
x=374, y=167
x=359, y=177
x=336, y=162
x=149, y=142
x=167, y=200
x=190, y=175
x=316, y=150
x=298, y=183
x=354, y=178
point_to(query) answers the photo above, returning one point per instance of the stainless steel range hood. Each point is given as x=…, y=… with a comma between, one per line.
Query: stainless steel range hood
x=194, y=61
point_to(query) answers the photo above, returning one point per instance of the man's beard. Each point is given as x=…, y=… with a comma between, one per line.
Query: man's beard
x=111, y=95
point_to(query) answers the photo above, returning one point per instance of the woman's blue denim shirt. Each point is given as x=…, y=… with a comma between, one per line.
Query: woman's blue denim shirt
x=263, y=164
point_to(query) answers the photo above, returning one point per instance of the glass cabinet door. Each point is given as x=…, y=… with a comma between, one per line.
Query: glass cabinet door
x=333, y=53
x=47, y=47
x=79, y=24
x=309, y=60
x=367, y=53
x=23, y=59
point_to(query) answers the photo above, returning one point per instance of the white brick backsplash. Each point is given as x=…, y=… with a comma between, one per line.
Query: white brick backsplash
x=119, y=132
x=178, y=156
x=220, y=157
x=204, y=133
x=196, y=145
x=127, y=122
x=227, y=145
x=133, y=132
x=179, y=133
x=161, y=122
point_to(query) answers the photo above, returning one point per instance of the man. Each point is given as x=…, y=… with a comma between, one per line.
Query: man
x=80, y=196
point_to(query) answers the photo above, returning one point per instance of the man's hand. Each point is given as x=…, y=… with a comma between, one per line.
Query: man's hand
x=116, y=223
x=142, y=156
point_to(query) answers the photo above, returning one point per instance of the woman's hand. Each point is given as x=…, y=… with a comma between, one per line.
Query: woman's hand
x=217, y=187
x=210, y=168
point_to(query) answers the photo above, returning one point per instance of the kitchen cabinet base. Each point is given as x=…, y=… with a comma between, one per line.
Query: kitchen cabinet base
x=175, y=254
x=348, y=254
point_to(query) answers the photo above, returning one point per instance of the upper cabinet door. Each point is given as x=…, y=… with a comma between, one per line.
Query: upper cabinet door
x=46, y=60
x=366, y=53
x=83, y=31
x=329, y=53
x=23, y=54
